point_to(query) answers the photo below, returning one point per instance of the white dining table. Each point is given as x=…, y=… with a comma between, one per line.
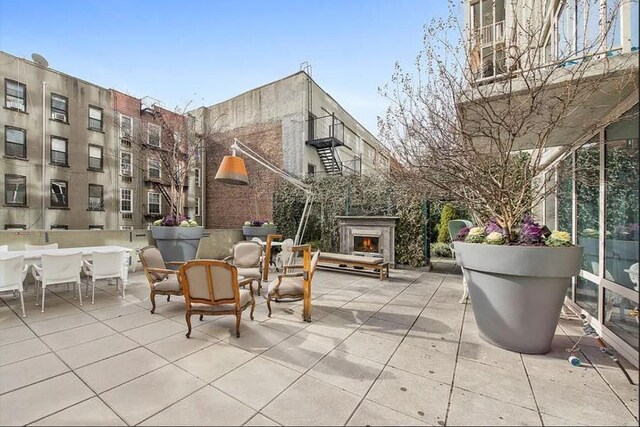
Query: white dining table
x=35, y=255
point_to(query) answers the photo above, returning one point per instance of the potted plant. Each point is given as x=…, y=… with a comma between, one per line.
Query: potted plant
x=517, y=285
x=489, y=137
x=258, y=228
x=177, y=237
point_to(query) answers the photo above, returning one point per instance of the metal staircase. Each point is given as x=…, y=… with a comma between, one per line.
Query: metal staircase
x=328, y=157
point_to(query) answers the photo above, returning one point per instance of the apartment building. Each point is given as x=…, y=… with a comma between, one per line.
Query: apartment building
x=297, y=126
x=80, y=156
x=59, y=160
x=144, y=132
x=596, y=182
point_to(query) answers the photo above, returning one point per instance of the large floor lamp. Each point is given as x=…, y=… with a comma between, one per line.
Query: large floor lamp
x=233, y=171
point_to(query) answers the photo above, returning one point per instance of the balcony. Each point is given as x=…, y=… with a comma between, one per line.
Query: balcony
x=326, y=131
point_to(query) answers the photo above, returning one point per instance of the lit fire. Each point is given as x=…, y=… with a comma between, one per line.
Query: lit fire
x=367, y=245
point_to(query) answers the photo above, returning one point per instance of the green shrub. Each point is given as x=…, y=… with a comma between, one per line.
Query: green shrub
x=440, y=249
x=448, y=214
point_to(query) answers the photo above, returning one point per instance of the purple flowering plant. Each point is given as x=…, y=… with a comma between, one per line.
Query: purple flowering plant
x=531, y=233
x=462, y=234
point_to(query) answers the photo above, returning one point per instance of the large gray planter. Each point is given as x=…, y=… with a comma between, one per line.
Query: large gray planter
x=517, y=291
x=177, y=243
x=261, y=232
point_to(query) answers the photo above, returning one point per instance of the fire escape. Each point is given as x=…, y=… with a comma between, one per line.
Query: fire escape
x=326, y=134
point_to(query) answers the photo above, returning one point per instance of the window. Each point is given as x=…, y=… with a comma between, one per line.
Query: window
x=96, y=227
x=126, y=164
x=15, y=190
x=196, y=175
x=15, y=95
x=197, y=207
x=95, y=118
x=154, y=169
x=59, y=154
x=59, y=194
x=59, y=227
x=15, y=142
x=126, y=227
x=126, y=199
x=95, y=197
x=311, y=169
x=59, y=107
x=153, y=200
x=153, y=135
x=126, y=127
x=95, y=157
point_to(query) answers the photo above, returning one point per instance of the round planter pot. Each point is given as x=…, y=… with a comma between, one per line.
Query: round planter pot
x=177, y=243
x=517, y=291
x=261, y=232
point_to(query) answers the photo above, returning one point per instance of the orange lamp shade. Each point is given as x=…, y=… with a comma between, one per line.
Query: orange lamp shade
x=232, y=171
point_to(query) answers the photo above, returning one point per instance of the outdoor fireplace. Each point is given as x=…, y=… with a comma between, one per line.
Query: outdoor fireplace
x=366, y=244
x=368, y=236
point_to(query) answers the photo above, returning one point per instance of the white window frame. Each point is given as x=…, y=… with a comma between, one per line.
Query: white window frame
x=130, y=171
x=197, y=207
x=149, y=161
x=122, y=134
x=197, y=177
x=149, y=194
x=149, y=125
x=122, y=198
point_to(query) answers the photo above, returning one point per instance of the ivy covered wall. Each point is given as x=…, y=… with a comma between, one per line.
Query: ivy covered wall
x=351, y=195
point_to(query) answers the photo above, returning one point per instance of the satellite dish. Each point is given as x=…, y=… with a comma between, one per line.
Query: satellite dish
x=39, y=59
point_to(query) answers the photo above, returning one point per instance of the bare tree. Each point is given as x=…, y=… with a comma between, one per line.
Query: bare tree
x=176, y=143
x=479, y=127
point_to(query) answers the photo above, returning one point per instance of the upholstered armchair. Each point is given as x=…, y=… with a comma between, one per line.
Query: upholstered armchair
x=211, y=287
x=247, y=258
x=162, y=280
x=295, y=285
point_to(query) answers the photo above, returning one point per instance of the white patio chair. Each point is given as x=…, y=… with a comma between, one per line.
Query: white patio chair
x=454, y=226
x=104, y=265
x=12, y=274
x=28, y=247
x=57, y=269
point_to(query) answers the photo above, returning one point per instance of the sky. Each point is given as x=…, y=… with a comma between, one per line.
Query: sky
x=203, y=52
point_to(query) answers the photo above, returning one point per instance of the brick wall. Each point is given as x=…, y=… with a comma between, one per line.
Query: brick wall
x=229, y=206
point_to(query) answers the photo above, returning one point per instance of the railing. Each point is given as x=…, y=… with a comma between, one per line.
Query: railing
x=489, y=34
x=326, y=127
x=352, y=167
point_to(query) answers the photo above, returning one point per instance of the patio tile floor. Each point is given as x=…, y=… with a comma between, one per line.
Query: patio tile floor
x=398, y=352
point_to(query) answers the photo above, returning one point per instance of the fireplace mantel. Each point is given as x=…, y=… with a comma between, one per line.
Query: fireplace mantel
x=382, y=227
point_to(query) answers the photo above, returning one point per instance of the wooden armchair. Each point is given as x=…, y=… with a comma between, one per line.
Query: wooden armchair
x=295, y=286
x=211, y=287
x=247, y=258
x=162, y=280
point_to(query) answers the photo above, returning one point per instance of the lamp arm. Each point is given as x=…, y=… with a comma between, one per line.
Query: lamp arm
x=238, y=146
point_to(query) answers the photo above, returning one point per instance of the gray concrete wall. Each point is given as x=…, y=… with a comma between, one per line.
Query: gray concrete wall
x=359, y=141
x=80, y=95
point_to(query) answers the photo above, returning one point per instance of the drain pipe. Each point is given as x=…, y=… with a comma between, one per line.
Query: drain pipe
x=44, y=156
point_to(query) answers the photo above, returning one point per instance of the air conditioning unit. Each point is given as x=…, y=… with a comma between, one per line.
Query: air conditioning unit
x=125, y=143
x=59, y=116
x=127, y=216
x=14, y=104
x=126, y=179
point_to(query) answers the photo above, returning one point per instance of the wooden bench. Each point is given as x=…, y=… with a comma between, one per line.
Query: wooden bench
x=359, y=264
